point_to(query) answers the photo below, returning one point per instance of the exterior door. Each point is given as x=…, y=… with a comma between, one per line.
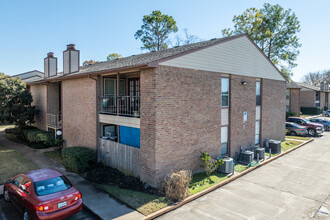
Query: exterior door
x=134, y=94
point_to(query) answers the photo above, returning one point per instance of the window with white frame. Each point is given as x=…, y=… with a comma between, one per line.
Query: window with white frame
x=224, y=92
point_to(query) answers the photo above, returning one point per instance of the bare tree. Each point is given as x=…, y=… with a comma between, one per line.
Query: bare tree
x=316, y=78
x=186, y=39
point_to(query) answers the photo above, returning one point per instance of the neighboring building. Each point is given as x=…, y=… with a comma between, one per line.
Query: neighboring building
x=293, y=97
x=149, y=113
x=30, y=76
x=312, y=96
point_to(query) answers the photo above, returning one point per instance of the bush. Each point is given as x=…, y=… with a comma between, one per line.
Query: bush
x=291, y=114
x=311, y=110
x=11, y=131
x=34, y=135
x=177, y=185
x=77, y=158
x=210, y=165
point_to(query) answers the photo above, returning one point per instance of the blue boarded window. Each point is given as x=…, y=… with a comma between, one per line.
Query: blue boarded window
x=129, y=136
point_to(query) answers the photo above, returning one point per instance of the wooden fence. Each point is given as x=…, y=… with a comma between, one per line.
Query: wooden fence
x=120, y=156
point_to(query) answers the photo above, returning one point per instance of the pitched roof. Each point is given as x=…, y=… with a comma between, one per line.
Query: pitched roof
x=292, y=85
x=307, y=86
x=144, y=59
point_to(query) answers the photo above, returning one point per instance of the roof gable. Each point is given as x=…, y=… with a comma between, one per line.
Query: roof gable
x=238, y=56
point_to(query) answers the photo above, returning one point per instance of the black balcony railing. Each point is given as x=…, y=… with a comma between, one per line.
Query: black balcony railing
x=120, y=105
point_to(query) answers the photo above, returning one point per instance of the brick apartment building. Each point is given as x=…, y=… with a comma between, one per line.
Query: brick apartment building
x=303, y=95
x=165, y=107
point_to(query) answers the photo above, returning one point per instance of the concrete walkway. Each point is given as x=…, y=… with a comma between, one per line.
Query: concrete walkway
x=97, y=201
x=295, y=186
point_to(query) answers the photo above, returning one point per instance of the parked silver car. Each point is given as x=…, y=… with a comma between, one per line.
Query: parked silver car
x=326, y=113
x=294, y=129
x=324, y=122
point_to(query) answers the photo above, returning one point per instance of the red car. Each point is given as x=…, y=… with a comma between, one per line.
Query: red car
x=43, y=194
x=313, y=129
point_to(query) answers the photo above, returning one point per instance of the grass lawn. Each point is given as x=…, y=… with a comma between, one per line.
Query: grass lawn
x=142, y=202
x=286, y=145
x=240, y=167
x=298, y=138
x=200, y=181
x=54, y=154
x=13, y=163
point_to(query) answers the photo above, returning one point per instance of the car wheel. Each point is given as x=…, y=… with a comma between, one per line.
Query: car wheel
x=326, y=127
x=292, y=133
x=311, y=132
x=326, y=115
x=26, y=215
x=6, y=195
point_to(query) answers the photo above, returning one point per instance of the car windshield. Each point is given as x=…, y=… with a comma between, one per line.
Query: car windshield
x=307, y=121
x=46, y=187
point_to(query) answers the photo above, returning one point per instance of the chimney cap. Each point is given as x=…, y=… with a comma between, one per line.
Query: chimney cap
x=71, y=47
x=50, y=54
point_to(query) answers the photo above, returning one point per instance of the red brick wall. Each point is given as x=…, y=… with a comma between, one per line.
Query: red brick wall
x=180, y=116
x=39, y=95
x=79, y=112
x=295, y=101
x=307, y=98
x=186, y=104
x=243, y=98
x=273, y=110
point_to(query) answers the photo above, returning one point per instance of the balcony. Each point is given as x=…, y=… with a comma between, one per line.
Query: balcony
x=120, y=105
x=54, y=121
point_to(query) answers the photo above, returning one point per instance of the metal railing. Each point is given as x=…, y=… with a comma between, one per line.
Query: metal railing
x=54, y=121
x=120, y=105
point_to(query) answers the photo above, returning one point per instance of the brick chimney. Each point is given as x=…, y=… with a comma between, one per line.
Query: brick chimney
x=70, y=59
x=50, y=65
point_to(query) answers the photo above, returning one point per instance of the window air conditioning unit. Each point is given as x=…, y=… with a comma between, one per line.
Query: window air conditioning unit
x=246, y=157
x=227, y=166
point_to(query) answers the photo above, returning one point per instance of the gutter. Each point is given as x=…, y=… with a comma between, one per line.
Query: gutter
x=88, y=74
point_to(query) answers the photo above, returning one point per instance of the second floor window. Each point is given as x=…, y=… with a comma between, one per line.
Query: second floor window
x=225, y=92
x=258, y=97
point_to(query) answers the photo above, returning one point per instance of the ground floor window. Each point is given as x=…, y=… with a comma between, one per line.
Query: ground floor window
x=110, y=132
x=257, y=136
x=224, y=140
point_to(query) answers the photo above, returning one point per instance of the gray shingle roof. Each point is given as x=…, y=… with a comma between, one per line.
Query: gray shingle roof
x=144, y=58
x=307, y=86
x=292, y=85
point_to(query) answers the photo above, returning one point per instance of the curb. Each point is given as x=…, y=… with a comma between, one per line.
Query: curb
x=216, y=186
x=314, y=116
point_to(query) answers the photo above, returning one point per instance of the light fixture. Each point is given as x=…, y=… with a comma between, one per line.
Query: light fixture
x=243, y=82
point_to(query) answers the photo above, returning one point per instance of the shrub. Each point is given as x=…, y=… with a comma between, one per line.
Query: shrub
x=210, y=165
x=311, y=110
x=11, y=131
x=77, y=158
x=177, y=185
x=291, y=114
x=34, y=135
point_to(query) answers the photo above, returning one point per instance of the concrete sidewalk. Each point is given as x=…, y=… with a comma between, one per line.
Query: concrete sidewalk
x=97, y=201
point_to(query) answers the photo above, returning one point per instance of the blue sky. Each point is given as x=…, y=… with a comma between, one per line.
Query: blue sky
x=30, y=29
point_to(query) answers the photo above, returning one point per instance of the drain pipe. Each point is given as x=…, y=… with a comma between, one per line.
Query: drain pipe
x=270, y=152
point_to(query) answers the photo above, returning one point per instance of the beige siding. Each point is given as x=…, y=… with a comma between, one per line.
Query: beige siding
x=237, y=57
x=120, y=120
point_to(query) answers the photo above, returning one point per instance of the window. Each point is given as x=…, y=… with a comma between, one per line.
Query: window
x=17, y=180
x=257, y=137
x=225, y=92
x=287, y=94
x=258, y=86
x=49, y=186
x=110, y=132
x=224, y=140
x=110, y=87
